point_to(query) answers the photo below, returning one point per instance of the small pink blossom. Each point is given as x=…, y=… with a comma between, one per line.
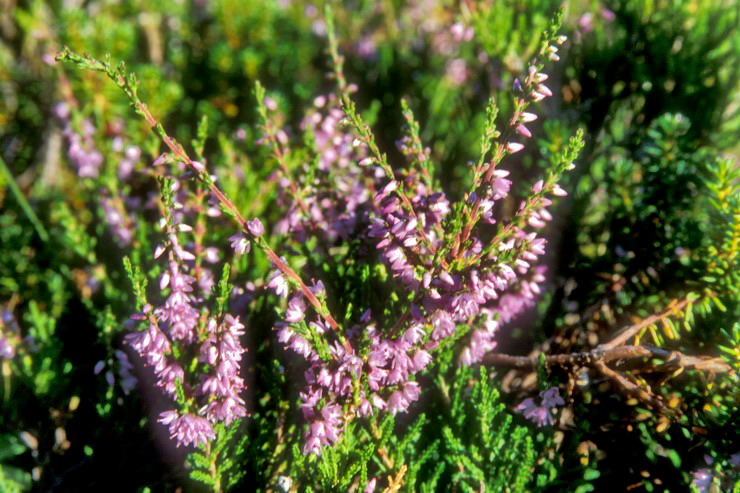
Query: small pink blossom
x=514, y=147
x=240, y=243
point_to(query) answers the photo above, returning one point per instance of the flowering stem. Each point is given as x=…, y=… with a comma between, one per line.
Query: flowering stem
x=129, y=84
x=366, y=135
x=276, y=149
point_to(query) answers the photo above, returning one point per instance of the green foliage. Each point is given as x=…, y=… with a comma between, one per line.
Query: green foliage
x=482, y=447
x=215, y=465
x=653, y=220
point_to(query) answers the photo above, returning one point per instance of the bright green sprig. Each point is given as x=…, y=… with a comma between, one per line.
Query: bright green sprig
x=486, y=140
x=417, y=151
x=138, y=282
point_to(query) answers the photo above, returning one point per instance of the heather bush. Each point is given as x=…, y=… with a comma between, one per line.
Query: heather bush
x=369, y=246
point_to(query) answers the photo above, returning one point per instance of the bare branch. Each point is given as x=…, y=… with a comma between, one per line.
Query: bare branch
x=633, y=330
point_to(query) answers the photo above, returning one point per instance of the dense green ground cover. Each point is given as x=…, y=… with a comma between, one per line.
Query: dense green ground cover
x=647, y=239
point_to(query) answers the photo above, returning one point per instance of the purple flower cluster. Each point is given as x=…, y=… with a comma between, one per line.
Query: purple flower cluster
x=456, y=277
x=187, y=429
x=87, y=161
x=481, y=297
x=409, y=231
x=222, y=352
x=491, y=282
x=81, y=148
x=178, y=310
x=131, y=155
x=153, y=344
x=212, y=392
x=329, y=206
x=541, y=415
x=520, y=296
x=118, y=220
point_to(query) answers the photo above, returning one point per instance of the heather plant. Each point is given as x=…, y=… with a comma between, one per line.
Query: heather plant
x=379, y=247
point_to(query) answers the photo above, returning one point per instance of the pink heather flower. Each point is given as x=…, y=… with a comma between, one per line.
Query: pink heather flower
x=536, y=222
x=296, y=309
x=119, y=224
x=481, y=342
x=585, y=22
x=556, y=190
x=278, y=283
x=211, y=255
x=551, y=398
x=540, y=415
x=460, y=32
x=447, y=278
x=255, y=227
x=270, y=103
x=542, y=88
x=522, y=130
x=500, y=188
x=325, y=430
x=223, y=351
x=81, y=151
x=528, y=117
x=240, y=243
x=514, y=147
x=537, y=96
x=154, y=347
x=177, y=310
x=390, y=187
x=187, y=429
x=163, y=158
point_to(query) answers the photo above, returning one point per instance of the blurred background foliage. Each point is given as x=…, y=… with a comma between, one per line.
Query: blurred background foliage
x=652, y=218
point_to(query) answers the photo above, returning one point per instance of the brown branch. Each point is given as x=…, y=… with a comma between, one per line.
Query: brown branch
x=613, y=350
x=628, y=386
x=633, y=330
x=595, y=357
